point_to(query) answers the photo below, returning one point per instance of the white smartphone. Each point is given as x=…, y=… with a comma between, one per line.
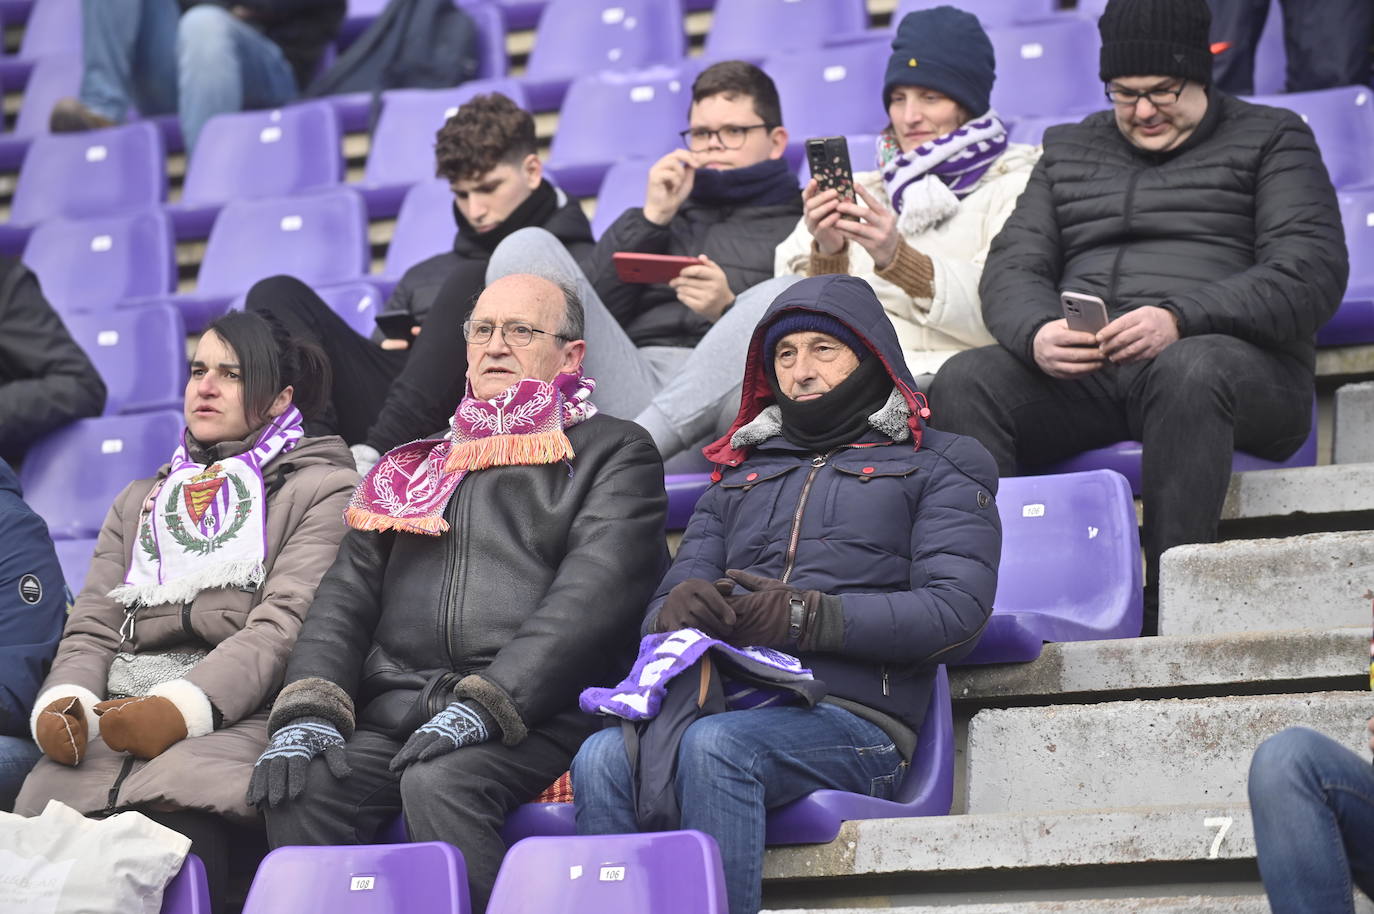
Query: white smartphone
x=1084, y=312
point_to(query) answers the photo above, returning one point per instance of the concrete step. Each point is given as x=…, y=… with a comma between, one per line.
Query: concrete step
x=1139, y=753
x=1190, y=904
x=1318, y=580
x=1172, y=667
x=1353, y=436
x=1338, y=490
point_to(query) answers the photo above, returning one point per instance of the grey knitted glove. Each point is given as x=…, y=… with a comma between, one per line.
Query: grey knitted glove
x=280, y=771
x=462, y=723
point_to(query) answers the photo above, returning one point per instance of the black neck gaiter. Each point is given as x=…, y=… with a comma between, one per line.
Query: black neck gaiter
x=839, y=416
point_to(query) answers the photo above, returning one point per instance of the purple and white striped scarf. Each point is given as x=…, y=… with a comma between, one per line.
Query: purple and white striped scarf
x=206, y=526
x=957, y=160
x=665, y=655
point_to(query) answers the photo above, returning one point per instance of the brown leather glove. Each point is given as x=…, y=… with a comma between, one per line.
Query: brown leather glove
x=61, y=731
x=774, y=614
x=698, y=604
x=144, y=727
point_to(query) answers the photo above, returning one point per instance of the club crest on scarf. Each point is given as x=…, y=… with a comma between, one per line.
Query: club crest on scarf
x=203, y=526
x=524, y=425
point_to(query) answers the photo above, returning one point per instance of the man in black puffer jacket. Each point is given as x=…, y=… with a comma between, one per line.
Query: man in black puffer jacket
x=489, y=577
x=841, y=530
x=1210, y=229
x=727, y=200
x=198, y=58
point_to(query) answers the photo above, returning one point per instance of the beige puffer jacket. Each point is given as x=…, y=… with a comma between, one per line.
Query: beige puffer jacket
x=250, y=635
x=933, y=329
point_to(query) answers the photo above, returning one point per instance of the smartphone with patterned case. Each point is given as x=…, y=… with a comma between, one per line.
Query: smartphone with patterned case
x=828, y=159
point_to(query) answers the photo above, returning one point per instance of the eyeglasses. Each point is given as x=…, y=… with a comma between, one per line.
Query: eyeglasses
x=1128, y=98
x=517, y=334
x=729, y=136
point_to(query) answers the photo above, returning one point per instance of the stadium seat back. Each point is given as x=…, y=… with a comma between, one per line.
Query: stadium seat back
x=424, y=227
x=100, y=173
x=87, y=265
x=188, y=892
x=140, y=353
x=993, y=14
x=1342, y=120
x=1047, y=68
x=361, y=879
x=831, y=91
x=753, y=29
x=264, y=154
x=576, y=37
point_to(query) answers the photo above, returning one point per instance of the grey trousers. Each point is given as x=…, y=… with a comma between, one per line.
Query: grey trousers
x=682, y=397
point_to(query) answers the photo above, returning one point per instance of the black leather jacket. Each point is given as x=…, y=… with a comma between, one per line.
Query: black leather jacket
x=534, y=593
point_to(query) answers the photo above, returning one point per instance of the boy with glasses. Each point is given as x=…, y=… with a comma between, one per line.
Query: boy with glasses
x=726, y=198
x=1209, y=227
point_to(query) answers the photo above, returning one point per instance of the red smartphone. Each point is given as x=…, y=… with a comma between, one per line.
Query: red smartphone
x=828, y=159
x=632, y=267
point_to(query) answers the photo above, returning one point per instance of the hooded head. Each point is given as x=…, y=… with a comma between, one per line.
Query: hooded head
x=842, y=307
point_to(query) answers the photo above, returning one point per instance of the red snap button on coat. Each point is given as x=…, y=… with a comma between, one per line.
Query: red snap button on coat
x=752, y=476
x=868, y=469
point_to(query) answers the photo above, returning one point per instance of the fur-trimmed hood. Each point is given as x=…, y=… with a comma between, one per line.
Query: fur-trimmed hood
x=853, y=302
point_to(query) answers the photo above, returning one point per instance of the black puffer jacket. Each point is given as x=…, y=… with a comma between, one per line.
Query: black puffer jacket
x=534, y=593
x=740, y=239
x=1236, y=231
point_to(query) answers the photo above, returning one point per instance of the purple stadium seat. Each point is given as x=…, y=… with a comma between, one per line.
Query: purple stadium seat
x=188, y=892
x=520, y=14
x=576, y=37
x=1070, y=566
x=402, y=152
x=815, y=818
x=674, y=872
x=101, y=173
x=755, y=29
x=683, y=493
x=1124, y=458
x=622, y=188
x=490, y=20
x=993, y=14
x=1043, y=68
x=361, y=879
x=863, y=156
x=610, y=116
x=75, y=558
x=91, y=264
x=1343, y=121
x=1032, y=129
x=71, y=476
x=1271, y=58
x=830, y=91
x=139, y=352
x=1354, y=322
x=424, y=227
x=258, y=154
x=14, y=12
x=319, y=238
x=55, y=76
x=54, y=27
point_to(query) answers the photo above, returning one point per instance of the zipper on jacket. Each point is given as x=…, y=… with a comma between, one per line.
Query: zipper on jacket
x=186, y=620
x=817, y=463
x=887, y=685
x=126, y=628
x=1121, y=250
x=124, y=770
x=447, y=632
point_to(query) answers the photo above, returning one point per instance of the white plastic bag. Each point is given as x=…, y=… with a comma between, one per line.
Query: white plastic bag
x=61, y=862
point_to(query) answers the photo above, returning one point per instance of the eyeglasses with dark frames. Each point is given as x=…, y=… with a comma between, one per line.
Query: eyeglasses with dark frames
x=517, y=334
x=730, y=136
x=1129, y=98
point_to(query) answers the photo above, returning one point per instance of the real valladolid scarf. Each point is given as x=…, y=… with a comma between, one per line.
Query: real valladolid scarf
x=522, y=426
x=957, y=161
x=206, y=527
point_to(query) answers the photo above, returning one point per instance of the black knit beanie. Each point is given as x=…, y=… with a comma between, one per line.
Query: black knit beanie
x=944, y=49
x=1156, y=38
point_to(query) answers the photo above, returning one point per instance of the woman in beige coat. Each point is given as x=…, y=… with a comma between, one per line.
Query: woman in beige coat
x=157, y=699
x=947, y=180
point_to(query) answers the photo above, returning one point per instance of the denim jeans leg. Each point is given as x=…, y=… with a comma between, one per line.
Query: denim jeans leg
x=17, y=756
x=602, y=792
x=733, y=767
x=129, y=49
x=1312, y=801
x=223, y=65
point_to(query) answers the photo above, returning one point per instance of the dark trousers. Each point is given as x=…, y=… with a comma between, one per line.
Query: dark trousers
x=1326, y=42
x=462, y=797
x=380, y=397
x=1201, y=399
x=219, y=844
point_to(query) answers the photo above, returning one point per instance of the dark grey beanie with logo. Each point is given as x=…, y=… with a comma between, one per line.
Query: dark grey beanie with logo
x=1156, y=38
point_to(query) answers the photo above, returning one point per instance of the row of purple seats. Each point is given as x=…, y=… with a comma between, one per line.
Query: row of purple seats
x=53, y=27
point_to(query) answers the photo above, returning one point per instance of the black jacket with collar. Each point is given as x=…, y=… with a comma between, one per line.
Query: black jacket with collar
x=533, y=594
x=1236, y=231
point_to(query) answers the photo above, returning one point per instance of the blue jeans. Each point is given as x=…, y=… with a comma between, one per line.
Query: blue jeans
x=17, y=756
x=734, y=766
x=1313, y=806
x=148, y=54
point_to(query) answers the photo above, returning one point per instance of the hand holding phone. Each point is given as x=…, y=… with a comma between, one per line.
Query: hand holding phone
x=396, y=325
x=828, y=159
x=1082, y=312
x=649, y=268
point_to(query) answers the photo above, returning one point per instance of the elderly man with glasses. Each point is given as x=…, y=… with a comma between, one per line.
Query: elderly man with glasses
x=726, y=199
x=1210, y=229
x=489, y=576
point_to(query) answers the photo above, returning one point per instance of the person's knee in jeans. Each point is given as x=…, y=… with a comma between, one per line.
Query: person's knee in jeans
x=1283, y=760
x=601, y=784
x=206, y=33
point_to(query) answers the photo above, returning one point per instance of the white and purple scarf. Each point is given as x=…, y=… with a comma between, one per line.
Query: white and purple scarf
x=205, y=526
x=523, y=425
x=665, y=655
x=957, y=161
